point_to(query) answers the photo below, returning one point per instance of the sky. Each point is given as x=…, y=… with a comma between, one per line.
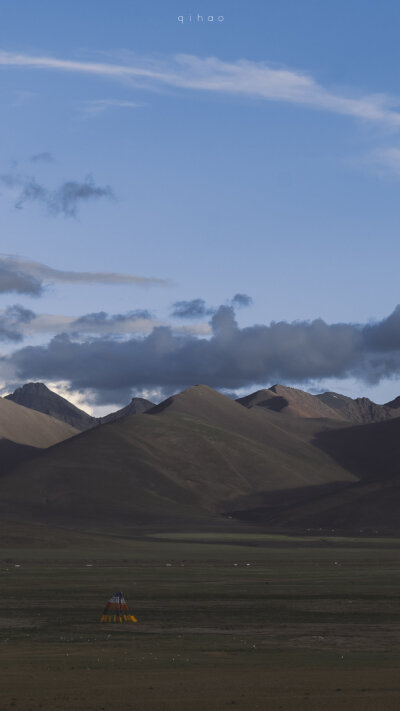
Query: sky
x=199, y=192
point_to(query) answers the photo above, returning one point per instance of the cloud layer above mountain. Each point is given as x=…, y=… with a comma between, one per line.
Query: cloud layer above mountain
x=231, y=358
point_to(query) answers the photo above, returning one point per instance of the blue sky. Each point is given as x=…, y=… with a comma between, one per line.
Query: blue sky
x=257, y=155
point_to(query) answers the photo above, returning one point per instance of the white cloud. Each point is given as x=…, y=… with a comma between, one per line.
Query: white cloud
x=240, y=77
x=99, y=106
x=77, y=398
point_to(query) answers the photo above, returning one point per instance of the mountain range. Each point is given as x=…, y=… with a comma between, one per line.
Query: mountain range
x=37, y=396
x=279, y=458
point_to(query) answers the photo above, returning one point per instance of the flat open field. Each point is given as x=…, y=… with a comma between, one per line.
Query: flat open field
x=242, y=621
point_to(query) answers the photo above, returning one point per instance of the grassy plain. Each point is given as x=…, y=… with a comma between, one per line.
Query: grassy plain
x=243, y=621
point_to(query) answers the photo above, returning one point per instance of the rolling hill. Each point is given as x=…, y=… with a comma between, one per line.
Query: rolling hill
x=24, y=432
x=279, y=458
x=194, y=457
x=329, y=406
x=290, y=401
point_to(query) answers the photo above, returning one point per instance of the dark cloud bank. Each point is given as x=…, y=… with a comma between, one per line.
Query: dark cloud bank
x=101, y=319
x=11, y=321
x=197, y=308
x=231, y=358
x=242, y=300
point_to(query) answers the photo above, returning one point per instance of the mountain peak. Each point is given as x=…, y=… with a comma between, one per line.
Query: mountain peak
x=136, y=406
x=32, y=387
x=37, y=396
x=361, y=410
x=291, y=401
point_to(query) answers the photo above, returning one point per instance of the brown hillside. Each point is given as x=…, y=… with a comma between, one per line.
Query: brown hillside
x=358, y=411
x=23, y=432
x=290, y=401
x=24, y=426
x=136, y=406
x=197, y=454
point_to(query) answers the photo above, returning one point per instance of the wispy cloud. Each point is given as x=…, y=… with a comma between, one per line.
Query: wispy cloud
x=139, y=321
x=240, y=77
x=64, y=200
x=43, y=157
x=96, y=107
x=22, y=97
x=387, y=160
x=24, y=276
x=18, y=323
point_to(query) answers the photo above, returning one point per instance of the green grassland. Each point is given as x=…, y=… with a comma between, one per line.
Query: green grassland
x=247, y=621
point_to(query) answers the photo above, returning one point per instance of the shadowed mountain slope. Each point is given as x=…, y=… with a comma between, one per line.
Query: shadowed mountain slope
x=326, y=406
x=372, y=454
x=37, y=396
x=136, y=406
x=23, y=432
x=360, y=410
x=394, y=404
x=278, y=430
x=195, y=455
x=290, y=401
x=207, y=404
x=199, y=456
